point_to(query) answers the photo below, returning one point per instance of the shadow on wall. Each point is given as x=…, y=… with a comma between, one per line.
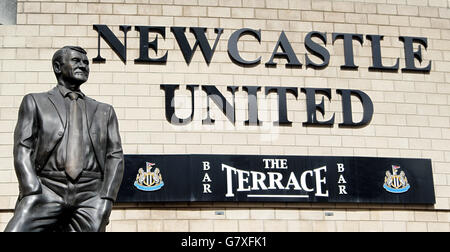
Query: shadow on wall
x=8, y=12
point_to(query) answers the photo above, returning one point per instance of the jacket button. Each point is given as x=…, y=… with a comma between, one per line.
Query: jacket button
x=60, y=133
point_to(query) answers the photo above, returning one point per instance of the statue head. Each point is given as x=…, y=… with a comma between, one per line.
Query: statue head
x=71, y=66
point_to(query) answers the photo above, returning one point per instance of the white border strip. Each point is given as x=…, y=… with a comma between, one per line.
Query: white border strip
x=276, y=196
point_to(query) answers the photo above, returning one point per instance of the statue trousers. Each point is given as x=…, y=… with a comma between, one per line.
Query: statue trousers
x=64, y=205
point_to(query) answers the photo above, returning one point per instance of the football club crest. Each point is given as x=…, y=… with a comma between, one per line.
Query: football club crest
x=149, y=180
x=396, y=183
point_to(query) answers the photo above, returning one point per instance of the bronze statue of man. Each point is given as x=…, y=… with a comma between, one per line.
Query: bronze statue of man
x=67, y=154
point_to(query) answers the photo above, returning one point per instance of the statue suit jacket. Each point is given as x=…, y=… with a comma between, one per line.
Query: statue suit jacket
x=41, y=125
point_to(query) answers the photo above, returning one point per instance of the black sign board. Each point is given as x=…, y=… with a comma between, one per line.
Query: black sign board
x=250, y=178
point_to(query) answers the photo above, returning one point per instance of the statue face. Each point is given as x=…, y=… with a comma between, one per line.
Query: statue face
x=74, y=69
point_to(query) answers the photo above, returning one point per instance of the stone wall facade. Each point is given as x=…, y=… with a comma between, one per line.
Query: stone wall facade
x=411, y=110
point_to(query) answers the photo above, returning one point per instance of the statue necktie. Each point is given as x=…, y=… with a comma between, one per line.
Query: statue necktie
x=74, y=155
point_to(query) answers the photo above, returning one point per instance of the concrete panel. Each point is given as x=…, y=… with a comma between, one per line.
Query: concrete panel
x=8, y=12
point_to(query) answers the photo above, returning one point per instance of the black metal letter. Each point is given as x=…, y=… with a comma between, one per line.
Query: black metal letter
x=282, y=103
x=145, y=45
x=410, y=54
x=252, y=92
x=201, y=40
x=170, y=104
x=348, y=48
x=288, y=53
x=115, y=44
x=376, y=55
x=347, y=108
x=233, y=51
x=316, y=50
x=227, y=109
x=312, y=107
